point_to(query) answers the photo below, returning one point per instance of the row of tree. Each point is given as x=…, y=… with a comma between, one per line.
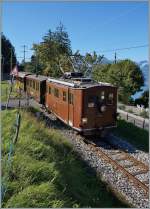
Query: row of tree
x=8, y=56
x=54, y=55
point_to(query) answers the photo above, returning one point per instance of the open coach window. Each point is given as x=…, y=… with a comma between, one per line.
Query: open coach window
x=110, y=98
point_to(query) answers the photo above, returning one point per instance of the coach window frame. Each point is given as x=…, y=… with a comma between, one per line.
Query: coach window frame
x=64, y=96
x=56, y=92
x=70, y=98
x=112, y=98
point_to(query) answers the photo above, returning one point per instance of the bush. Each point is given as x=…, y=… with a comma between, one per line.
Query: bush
x=122, y=107
x=130, y=111
x=144, y=114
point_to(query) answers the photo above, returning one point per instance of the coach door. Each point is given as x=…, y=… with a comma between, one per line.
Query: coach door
x=70, y=107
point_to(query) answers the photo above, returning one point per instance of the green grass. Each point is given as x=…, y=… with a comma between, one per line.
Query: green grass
x=5, y=88
x=134, y=135
x=45, y=171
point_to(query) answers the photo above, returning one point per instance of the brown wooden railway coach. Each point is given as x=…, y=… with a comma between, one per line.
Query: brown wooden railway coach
x=21, y=79
x=36, y=87
x=83, y=104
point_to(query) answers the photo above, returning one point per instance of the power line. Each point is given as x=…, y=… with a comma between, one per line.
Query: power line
x=126, y=48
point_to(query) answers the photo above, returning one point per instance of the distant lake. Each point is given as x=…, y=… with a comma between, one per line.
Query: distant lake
x=145, y=69
x=138, y=94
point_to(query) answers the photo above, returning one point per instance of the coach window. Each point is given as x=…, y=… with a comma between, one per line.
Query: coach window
x=64, y=96
x=56, y=92
x=102, y=95
x=34, y=84
x=49, y=90
x=110, y=98
x=37, y=86
x=91, y=101
x=70, y=98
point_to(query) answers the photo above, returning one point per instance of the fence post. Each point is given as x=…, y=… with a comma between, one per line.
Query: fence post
x=6, y=91
x=127, y=116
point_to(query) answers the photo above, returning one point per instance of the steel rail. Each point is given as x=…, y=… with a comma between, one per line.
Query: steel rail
x=114, y=163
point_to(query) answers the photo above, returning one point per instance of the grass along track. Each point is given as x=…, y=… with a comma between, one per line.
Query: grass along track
x=46, y=172
x=5, y=88
x=136, y=136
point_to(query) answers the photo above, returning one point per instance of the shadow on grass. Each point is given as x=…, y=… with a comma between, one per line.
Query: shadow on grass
x=134, y=135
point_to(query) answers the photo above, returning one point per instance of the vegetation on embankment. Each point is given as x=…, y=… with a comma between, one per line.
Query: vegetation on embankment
x=134, y=135
x=5, y=89
x=45, y=170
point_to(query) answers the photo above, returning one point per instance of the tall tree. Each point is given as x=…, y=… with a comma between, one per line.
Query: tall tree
x=8, y=55
x=126, y=75
x=53, y=50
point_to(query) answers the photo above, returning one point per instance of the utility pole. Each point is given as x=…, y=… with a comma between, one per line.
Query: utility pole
x=24, y=53
x=115, y=57
x=37, y=63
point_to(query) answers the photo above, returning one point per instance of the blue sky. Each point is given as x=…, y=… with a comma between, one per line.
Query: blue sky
x=91, y=26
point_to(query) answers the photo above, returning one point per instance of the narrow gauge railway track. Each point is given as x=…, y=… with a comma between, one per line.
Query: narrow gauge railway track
x=102, y=151
x=123, y=156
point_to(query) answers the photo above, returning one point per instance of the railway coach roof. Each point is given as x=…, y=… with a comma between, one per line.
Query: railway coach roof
x=23, y=74
x=79, y=83
x=39, y=77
